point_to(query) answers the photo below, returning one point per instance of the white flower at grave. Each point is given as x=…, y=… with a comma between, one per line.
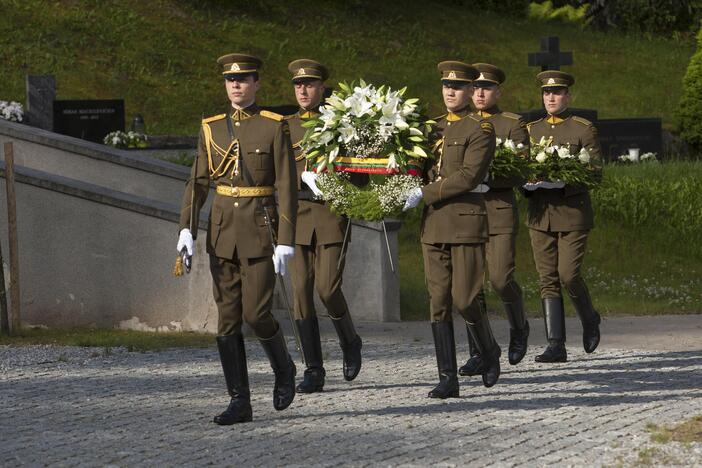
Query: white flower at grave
x=584, y=156
x=520, y=146
x=498, y=141
x=649, y=157
x=541, y=157
x=509, y=144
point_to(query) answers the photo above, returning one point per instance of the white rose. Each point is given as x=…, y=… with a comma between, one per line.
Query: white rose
x=584, y=156
x=541, y=157
x=564, y=153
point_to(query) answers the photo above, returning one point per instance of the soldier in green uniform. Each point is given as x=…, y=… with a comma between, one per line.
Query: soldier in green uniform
x=454, y=228
x=248, y=154
x=559, y=220
x=318, y=262
x=503, y=218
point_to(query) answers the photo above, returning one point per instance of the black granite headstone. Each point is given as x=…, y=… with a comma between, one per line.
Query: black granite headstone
x=89, y=119
x=618, y=135
x=41, y=92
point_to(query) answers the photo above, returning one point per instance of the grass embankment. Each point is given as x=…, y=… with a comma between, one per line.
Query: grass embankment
x=132, y=340
x=643, y=256
x=160, y=55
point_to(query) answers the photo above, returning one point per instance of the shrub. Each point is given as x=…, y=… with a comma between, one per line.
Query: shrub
x=689, y=111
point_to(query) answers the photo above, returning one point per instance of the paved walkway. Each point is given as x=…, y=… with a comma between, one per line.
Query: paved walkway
x=96, y=407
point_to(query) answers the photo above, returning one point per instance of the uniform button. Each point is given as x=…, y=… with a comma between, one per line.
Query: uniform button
x=237, y=124
x=258, y=150
x=553, y=126
x=449, y=123
x=455, y=142
x=236, y=204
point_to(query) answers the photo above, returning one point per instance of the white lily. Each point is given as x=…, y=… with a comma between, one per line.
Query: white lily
x=498, y=141
x=347, y=133
x=509, y=144
x=392, y=163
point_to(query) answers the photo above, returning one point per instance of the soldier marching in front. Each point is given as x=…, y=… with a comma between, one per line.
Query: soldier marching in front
x=454, y=229
x=248, y=154
x=559, y=220
x=503, y=218
x=319, y=245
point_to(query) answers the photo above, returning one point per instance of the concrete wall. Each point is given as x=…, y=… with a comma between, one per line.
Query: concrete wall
x=94, y=252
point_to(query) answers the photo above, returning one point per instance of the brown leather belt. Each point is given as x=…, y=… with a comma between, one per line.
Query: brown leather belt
x=237, y=192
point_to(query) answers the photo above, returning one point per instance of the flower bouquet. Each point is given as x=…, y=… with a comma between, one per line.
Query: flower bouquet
x=556, y=166
x=120, y=139
x=511, y=161
x=11, y=111
x=364, y=129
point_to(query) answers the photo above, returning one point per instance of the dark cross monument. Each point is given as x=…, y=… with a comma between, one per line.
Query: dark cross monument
x=550, y=57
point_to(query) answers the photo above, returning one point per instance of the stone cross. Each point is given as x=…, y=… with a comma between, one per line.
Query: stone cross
x=550, y=57
x=41, y=93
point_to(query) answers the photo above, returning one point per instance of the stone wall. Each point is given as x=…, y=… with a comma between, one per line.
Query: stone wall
x=97, y=233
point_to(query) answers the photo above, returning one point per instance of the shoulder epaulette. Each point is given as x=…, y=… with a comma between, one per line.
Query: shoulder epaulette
x=213, y=118
x=288, y=117
x=581, y=120
x=436, y=119
x=510, y=115
x=272, y=115
x=534, y=122
x=475, y=117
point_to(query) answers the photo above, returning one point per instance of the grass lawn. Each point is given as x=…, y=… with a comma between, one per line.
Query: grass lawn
x=103, y=338
x=160, y=55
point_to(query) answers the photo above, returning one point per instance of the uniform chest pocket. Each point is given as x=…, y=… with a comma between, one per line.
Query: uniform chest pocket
x=261, y=157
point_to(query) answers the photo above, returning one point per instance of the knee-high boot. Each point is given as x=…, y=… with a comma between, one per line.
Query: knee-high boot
x=233, y=356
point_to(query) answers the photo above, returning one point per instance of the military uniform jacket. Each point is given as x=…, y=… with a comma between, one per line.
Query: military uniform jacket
x=237, y=224
x=452, y=213
x=314, y=218
x=569, y=208
x=500, y=200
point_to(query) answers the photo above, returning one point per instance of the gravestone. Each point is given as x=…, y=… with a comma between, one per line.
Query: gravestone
x=550, y=56
x=41, y=93
x=89, y=119
x=618, y=135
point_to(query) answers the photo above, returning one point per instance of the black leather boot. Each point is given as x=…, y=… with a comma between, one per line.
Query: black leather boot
x=554, y=318
x=233, y=357
x=518, y=331
x=313, y=380
x=474, y=365
x=350, y=345
x=445, y=347
x=590, y=320
x=489, y=350
x=283, y=367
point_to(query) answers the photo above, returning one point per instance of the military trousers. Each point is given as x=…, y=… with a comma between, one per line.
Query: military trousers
x=454, y=278
x=243, y=289
x=499, y=253
x=559, y=257
x=316, y=266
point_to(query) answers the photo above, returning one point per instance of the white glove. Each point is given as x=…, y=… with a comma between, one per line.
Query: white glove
x=414, y=196
x=185, y=239
x=544, y=184
x=280, y=258
x=310, y=178
x=481, y=188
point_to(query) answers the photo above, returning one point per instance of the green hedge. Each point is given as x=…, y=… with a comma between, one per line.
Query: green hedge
x=666, y=197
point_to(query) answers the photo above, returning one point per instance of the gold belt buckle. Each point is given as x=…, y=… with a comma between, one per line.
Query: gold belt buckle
x=235, y=191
